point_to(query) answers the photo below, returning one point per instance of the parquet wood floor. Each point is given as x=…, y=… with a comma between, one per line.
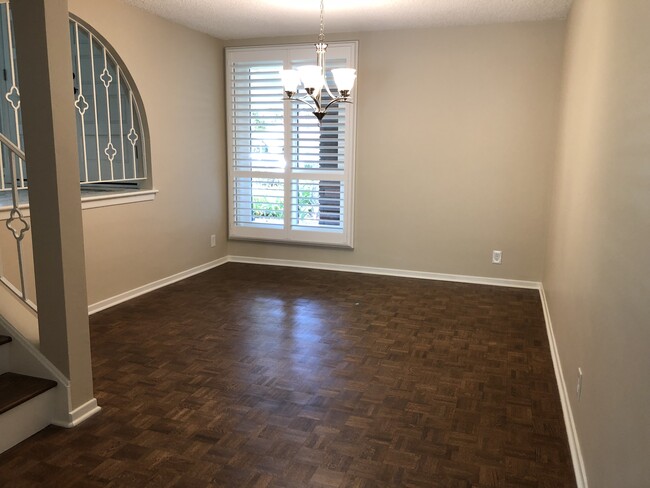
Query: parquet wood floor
x=259, y=376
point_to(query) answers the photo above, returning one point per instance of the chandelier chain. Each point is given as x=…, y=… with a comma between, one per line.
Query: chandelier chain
x=321, y=36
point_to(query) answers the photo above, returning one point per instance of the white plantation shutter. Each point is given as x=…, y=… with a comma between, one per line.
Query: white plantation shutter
x=290, y=179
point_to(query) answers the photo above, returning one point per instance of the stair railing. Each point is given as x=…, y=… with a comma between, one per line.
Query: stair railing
x=16, y=223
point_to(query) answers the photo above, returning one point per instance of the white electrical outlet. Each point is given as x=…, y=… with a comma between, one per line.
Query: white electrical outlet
x=213, y=240
x=579, y=384
x=496, y=257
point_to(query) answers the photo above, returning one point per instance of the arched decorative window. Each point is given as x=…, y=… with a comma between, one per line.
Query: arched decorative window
x=111, y=123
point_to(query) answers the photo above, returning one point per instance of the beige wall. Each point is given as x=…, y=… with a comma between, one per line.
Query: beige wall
x=455, y=143
x=179, y=73
x=598, y=263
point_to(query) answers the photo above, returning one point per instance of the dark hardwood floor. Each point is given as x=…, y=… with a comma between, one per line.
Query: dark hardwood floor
x=259, y=376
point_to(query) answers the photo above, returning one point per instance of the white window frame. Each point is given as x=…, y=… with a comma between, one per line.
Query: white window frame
x=289, y=232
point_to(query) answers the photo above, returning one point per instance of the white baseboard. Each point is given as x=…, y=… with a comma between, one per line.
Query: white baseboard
x=141, y=290
x=572, y=433
x=403, y=273
x=349, y=268
x=79, y=414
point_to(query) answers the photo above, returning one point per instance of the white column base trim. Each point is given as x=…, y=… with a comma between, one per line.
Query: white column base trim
x=403, y=273
x=79, y=414
x=141, y=290
x=572, y=433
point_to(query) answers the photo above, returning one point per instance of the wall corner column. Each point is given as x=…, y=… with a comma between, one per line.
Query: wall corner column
x=45, y=73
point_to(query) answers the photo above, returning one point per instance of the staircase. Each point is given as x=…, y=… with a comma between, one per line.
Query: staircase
x=25, y=401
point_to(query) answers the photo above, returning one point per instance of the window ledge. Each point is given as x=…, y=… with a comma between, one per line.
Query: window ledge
x=95, y=200
x=109, y=199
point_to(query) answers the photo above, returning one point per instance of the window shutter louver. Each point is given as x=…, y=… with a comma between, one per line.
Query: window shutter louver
x=290, y=179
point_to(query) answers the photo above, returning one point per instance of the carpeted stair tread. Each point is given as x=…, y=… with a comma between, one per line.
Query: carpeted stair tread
x=17, y=388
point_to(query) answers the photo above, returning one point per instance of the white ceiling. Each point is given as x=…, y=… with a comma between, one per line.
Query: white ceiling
x=241, y=19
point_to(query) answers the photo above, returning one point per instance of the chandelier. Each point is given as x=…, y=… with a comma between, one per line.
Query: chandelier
x=313, y=79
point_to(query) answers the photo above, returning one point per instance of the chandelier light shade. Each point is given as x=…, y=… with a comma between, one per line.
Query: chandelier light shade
x=344, y=79
x=290, y=81
x=313, y=79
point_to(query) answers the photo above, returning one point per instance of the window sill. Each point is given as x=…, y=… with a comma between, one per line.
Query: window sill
x=95, y=200
x=107, y=200
x=292, y=242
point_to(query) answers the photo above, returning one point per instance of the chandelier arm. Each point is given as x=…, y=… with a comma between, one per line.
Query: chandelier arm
x=313, y=106
x=336, y=100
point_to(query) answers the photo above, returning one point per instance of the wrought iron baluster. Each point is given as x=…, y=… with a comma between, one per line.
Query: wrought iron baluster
x=16, y=223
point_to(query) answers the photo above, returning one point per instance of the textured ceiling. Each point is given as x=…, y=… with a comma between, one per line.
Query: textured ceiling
x=241, y=19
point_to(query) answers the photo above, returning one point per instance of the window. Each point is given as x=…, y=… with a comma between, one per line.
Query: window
x=111, y=125
x=290, y=179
